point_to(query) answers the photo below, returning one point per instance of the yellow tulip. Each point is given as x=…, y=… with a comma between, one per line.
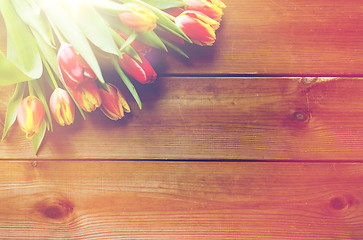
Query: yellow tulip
x=62, y=107
x=138, y=17
x=30, y=115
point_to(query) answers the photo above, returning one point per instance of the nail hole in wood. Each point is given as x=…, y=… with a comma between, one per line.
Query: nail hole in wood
x=300, y=116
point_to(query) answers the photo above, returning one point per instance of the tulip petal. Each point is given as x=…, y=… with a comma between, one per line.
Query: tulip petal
x=30, y=115
x=87, y=96
x=113, y=103
x=62, y=107
x=197, y=27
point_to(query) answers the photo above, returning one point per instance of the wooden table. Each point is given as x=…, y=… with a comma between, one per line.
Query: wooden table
x=247, y=140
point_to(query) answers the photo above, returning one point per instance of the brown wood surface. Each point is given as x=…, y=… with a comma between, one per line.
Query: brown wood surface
x=215, y=118
x=299, y=37
x=204, y=110
x=180, y=200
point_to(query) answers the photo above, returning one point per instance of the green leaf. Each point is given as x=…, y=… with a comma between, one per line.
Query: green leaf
x=127, y=82
x=38, y=138
x=162, y=4
x=10, y=74
x=22, y=49
x=152, y=39
x=129, y=40
x=12, y=108
x=109, y=6
x=30, y=14
x=64, y=23
x=175, y=48
x=95, y=29
x=129, y=50
x=48, y=53
x=148, y=38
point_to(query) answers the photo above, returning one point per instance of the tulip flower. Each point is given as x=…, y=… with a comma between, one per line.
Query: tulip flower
x=72, y=67
x=138, y=17
x=30, y=115
x=87, y=96
x=114, y=104
x=211, y=8
x=141, y=72
x=138, y=46
x=62, y=107
x=198, y=27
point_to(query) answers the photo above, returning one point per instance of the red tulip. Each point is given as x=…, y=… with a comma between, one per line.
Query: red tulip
x=72, y=67
x=138, y=17
x=62, y=107
x=142, y=72
x=138, y=46
x=114, y=104
x=211, y=8
x=87, y=96
x=30, y=115
x=198, y=27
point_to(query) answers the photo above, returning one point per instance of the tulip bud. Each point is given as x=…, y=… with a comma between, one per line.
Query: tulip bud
x=30, y=115
x=62, y=107
x=141, y=72
x=138, y=46
x=138, y=17
x=72, y=67
x=211, y=8
x=113, y=103
x=198, y=27
x=87, y=96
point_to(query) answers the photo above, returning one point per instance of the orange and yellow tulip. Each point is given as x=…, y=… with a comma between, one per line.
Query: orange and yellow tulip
x=30, y=115
x=87, y=96
x=211, y=8
x=138, y=17
x=62, y=107
x=114, y=104
x=198, y=27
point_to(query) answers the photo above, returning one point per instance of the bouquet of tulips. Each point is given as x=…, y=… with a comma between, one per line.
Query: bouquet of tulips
x=53, y=47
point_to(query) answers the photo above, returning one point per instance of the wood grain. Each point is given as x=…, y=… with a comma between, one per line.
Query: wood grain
x=299, y=37
x=180, y=200
x=216, y=118
x=279, y=37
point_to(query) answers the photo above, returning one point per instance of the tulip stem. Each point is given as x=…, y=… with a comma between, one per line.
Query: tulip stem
x=30, y=89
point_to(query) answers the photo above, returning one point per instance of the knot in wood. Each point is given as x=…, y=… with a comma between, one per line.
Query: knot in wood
x=55, y=207
x=338, y=203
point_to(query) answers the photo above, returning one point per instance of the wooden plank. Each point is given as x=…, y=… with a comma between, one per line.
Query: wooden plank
x=215, y=118
x=299, y=37
x=180, y=200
